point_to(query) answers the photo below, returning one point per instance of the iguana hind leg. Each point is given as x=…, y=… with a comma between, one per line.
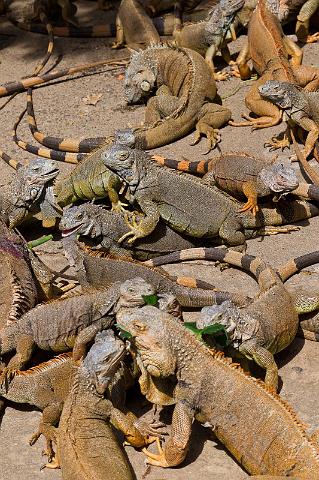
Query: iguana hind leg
x=293, y=50
x=303, y=20
x=49, y=420
x=264, y=359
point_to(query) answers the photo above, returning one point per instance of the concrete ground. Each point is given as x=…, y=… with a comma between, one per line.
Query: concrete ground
x=61, y=111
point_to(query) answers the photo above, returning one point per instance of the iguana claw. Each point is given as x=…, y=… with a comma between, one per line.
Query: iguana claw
x=212, y=134
x=156, y=459
x=154, y=429
x=312, y=38
x=276, y=143
x=119, y=207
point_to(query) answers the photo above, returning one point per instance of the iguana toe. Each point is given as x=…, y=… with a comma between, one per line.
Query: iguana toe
x=250, y=206
x=119, y=207
x=220, y=76
x=276, y=143
x=313, y=38
x=157, y=459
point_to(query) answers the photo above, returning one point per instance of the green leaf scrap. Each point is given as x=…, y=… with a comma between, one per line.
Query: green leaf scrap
x=150, y=299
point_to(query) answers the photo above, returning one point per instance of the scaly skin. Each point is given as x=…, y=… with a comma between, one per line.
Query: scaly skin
x=17, y=286
x=257, y=427
x=239, y=173
x=179, y=98
x=174, y=198
x=45, y=386
x=87, y=447
x=97, y=269
x=256, y=332
x=212, y=35
x=300, y=108
x=74, y=322
x=266, y=41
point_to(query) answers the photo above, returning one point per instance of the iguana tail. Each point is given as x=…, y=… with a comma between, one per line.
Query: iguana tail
x=264, y=274
x=44, y=152
x=10, y=160
x=89, y=31
x=57, y=143
x=295, y=265
x=200, y=168
x=21, y=85
x=307, y=190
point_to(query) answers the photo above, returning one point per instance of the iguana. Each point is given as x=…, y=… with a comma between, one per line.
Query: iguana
x=180, y=89
x=257, y=427
x=212, y=35
x=17, y=285
x=74, y=321
x=268, y=49
x=25, y=11
x=175, y=198
x=30, y=193
x=255, y=329
x=106, y=227
x=86, y=446
x=240, y=173
x=299, y=108
x=97, y=269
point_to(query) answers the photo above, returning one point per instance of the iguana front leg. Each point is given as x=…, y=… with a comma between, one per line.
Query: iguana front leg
x=310, y=126
x=283, y=140
x=264, y=359
x=24, y=350
x=147, y=224
x=49, y=420
x=210, y=118
x=251, y=205
x=210, y=54
x=175, y=448
x=112, y=190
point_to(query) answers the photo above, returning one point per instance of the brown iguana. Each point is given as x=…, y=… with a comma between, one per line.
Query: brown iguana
x=268, y=49
x=74, y=321
x=184, y=202
x=212, y=35
x=241, y=173
x=180, y=89
x=257, y=427
x=86, y=446
x=299, y=108
x=24, y=11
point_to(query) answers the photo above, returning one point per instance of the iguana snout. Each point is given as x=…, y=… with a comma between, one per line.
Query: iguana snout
x=279, y=178
x=134, y=292
x=276, y=92
x=139, y=79
x=77, y=219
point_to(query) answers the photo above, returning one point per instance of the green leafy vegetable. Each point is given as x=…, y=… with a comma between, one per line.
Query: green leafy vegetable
x=124, y=334
x=150, y=299
x=215, y=330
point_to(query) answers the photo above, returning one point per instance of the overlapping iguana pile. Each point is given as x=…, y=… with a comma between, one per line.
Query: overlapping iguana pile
x=185, y=203
x=87, y=448
x=241, y=173
x=255, y=425
x=268, y=49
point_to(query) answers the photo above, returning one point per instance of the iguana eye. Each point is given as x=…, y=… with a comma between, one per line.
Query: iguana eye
x=140, y=327
x=79, y=215
x=35, y=167
x=123, y=155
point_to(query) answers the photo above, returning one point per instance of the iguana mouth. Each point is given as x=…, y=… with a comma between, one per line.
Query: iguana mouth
x=69, y=231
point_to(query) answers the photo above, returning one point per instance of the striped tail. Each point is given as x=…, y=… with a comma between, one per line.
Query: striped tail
x=19, y=86
x=200, y=168
x=56, y=143
x=10, y=160
x=295, y=265
x=44, y=152
x=192, y=282
x=307, y=190
x=264, y=274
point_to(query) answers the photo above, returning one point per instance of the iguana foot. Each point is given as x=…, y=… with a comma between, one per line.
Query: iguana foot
x=212, y=134
x=312, y=38
x=234, y=70
x=134, y=231
x=7, y=375
x=270, y=230
x=220, y=76
x=151, y=430
x=50, y=438
x=255, y=123
x=53, y=465
x=158, y=459
x=276, y=143
x=119, y=207
x=250, y=205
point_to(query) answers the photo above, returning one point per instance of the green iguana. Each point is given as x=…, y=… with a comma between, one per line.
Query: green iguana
x=240, y=173
x=185, y=203
x=257, y=427
x=179, y=89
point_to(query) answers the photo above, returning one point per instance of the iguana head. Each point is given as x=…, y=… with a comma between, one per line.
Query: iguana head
x=280, y=93
x=150, y=337
x=134, y=292
x=30, y=183
x=80, y=219
x=238, y=324
x=103, y=359
x=140, y=78
x=122, y=160
x=279, y=178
